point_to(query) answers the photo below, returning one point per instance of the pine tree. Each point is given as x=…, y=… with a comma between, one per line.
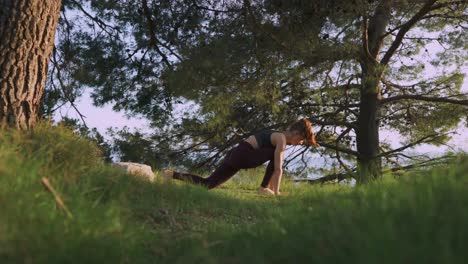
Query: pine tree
x=352, y=67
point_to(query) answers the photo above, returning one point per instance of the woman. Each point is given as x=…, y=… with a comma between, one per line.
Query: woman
x=254, y=151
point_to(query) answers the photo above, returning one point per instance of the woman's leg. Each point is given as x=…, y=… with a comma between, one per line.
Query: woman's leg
x=223, y=173
x=241, y=157
x=268, y=173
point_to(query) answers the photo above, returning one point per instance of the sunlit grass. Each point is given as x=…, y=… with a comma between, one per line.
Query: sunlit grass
x=118, y=218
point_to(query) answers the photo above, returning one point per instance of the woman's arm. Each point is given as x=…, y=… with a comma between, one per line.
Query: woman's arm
x=278, y=159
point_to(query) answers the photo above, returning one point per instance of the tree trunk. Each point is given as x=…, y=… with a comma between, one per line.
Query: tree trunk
x=369, y=167
x=367, y=134
x=27, y=30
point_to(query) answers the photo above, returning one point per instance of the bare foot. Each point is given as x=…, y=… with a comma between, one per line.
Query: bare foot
x=265, y=191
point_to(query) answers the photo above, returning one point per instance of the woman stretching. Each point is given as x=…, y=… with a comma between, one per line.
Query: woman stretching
x=254, y=151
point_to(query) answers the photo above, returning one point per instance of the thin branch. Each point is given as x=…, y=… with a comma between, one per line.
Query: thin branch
x=430, y=162
x=165, y=45
x=417, y=142
x=286, y=163
x=193, y=146
x=343, y=30
x=329, y=105
x=62, y=86
x=443, y=16
x=423, y=98
x=326, y=178
x=434, y=7
x=334, y=123
x=341, y=149
x=413, y=86
x=442, y=5
x=365, y=39
x=100, y=23
x=404, y=29
x=57, y=197
x=221, y=150
x=345, y=132
x=152, y=33
x=257, y=26
x=194, y=2
x=413, y=158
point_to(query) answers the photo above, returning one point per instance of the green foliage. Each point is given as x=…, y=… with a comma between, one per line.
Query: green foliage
x=418, y=119
x=55, y=150
x=136, y=147
x=118, y=218
x=301, y=60
x=89, y=134
x=251, y=65
x=32, y=227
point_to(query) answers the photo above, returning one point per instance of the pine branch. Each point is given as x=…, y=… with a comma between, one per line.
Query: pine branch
x=434, y=7
x=221, y=151
x=330, y=54
x=430, y=162
x=328, y=105
x=448, y=3
x=338, y=157
x=152, y=33
x=326, y=178
x=423, y=98
x=98, y=21
x=444, y=16
x=419, y=141
x=194, y=2
x=404, y=29
x=333, y=122
x=193, y=146
x=166, y=46
x=289, y=160
x=257, y=26
x=365, y=39
x=62, y=87
x=341, y=149
x=403, y=88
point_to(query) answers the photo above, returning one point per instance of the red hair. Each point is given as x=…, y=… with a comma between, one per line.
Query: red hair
x=304, y=127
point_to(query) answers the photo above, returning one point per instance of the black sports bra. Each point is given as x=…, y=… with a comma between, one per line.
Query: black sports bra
x=264, y=139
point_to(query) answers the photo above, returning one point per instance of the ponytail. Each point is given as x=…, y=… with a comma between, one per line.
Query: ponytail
x=305, y=128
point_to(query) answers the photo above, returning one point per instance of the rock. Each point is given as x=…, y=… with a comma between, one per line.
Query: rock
x=138, y=169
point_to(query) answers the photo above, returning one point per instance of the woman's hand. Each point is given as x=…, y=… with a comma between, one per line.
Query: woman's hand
x=271, y=187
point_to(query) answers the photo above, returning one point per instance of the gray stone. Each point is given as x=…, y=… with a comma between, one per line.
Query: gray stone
x=138, y=169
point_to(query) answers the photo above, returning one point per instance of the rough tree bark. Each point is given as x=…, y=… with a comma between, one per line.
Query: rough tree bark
x=367, y=134
x=27, y=30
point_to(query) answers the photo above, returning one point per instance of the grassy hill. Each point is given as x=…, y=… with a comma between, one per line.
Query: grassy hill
x=119, y=219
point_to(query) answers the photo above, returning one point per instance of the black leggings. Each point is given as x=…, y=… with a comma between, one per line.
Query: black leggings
x=243, y=156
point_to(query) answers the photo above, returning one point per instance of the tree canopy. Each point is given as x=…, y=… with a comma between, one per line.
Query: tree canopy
x=209, y=73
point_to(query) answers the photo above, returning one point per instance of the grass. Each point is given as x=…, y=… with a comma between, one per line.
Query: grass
x=120, y=219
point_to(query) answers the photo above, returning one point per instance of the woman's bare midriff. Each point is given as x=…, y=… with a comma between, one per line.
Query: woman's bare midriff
x=252, y=141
